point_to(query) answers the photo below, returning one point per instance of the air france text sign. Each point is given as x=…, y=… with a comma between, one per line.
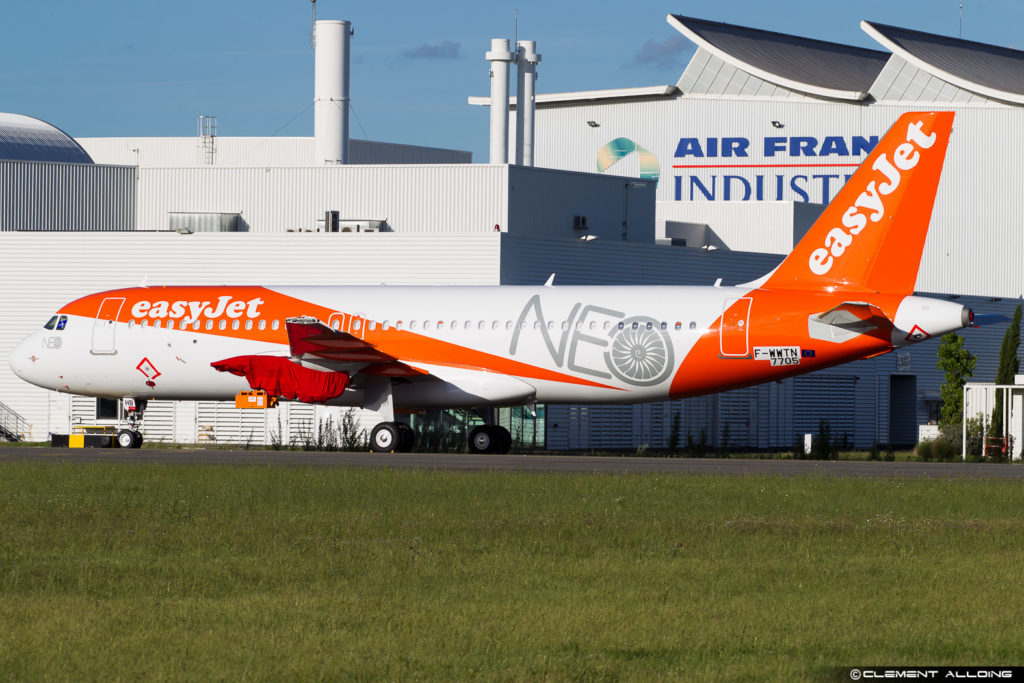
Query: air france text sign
x=802, y=167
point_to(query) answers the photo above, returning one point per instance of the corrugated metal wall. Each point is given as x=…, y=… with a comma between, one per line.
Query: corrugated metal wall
x=441, y=198
x=252, y=151
x=37, y=195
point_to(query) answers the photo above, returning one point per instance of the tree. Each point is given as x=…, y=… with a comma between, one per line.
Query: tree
x=958, y=364
x=1009, y=365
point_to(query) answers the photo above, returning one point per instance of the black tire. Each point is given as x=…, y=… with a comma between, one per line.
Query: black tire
x=125, y=439
x=385, y=438
x=502, y=439
x=406, y=438
x=482, y=440
x=138, y=440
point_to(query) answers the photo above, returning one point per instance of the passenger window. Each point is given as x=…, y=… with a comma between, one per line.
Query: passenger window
x=650, y=325
x=274, y=325
x=508, y=324
x=234, y=324
x=606, y=325
x=693, y=325
x=551, y=325
x=494, y=325
x=400, y=325
x=223, y=324
x=195, y=325
x=156, y=324
x=679, y=326
x=593, y=324
x=636, y=325
x=454, y=324
x=412, y=324
x=468, y=325
x=357, y=324
x=385, y=325
x=51, y=323
x=262, y=324
x=209, y=324
x=622, y=325
x=565, y=325
x=248, y=324
x=184, y=323
x=481, y=325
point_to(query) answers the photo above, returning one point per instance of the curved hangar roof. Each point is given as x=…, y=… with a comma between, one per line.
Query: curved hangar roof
x=23, y=138
x=985, y=69
x=803, y=64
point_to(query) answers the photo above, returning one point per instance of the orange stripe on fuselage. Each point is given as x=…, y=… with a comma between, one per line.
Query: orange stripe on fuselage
x=270, y=305
x=778, y=318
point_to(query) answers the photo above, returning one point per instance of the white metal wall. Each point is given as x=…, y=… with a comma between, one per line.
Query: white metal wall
x=159, y=152
x=36, y=195
x=440, y=199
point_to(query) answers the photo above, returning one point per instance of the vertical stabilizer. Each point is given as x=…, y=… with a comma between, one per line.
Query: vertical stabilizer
x=870, y=237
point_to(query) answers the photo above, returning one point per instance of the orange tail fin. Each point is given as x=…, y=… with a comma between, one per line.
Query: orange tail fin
x=870, y=237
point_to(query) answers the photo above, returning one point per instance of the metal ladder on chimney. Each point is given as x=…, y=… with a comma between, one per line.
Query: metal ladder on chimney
x=13, y=427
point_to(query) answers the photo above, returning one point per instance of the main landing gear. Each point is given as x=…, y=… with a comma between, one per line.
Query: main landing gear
x=397, y=437
x=490, y=439
x=132, y=436
x=389, y=437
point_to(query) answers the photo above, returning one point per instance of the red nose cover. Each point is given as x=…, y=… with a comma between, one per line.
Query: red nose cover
x=281, y=377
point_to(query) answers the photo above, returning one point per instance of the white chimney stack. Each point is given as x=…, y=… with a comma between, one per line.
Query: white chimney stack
x=499, y=57
x=526, y=99
x=331, y=92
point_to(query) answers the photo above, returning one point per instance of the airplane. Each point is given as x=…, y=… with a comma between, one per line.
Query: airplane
x=844, y=293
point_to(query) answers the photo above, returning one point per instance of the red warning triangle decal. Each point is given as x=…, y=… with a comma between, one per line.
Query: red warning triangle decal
x=916, y=334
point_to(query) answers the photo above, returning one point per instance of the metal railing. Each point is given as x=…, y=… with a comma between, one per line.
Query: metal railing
x=13, y=427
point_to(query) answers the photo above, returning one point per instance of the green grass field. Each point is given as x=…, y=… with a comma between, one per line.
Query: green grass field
x=158, y=572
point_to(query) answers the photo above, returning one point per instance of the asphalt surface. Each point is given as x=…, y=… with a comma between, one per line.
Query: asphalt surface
x=518, y=463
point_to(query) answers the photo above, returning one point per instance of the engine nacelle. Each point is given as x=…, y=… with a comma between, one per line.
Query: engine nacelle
x=919, y=318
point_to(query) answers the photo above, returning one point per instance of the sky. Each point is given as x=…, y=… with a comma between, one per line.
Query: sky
x=143, y=68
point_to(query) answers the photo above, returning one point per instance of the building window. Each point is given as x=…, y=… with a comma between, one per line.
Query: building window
x=108, y=409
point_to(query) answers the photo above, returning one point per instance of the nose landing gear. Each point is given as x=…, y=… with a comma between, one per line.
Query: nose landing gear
x=132, y=436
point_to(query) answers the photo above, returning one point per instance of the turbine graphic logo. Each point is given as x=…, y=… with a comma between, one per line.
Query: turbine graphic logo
x=623, y=147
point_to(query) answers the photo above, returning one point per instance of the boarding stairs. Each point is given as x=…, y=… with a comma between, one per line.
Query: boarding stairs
x=13, y=427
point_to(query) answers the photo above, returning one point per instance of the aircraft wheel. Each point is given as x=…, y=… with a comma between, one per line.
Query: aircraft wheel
x=384, y=438
x=125, y=439
x=482, y=440
x=406, y=437
x=502, y=439
x=138, y=440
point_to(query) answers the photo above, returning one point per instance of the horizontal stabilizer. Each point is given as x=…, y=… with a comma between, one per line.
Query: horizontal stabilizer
x=856, y=316
x=848, y=320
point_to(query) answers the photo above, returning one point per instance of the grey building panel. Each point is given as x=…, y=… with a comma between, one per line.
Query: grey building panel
x=803, y=60
x=990, y=66
x=23, y=138
x=38, y=195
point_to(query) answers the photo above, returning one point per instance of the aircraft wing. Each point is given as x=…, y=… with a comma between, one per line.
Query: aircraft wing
x=311, y=340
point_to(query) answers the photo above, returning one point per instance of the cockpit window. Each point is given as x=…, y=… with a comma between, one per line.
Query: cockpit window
x=51, y=323
x=62, y=322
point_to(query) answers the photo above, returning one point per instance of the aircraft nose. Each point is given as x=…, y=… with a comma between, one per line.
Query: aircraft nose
x=24, y=357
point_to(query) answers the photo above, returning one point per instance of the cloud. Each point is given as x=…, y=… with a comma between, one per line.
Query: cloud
x=665, y=53
x=446, y=50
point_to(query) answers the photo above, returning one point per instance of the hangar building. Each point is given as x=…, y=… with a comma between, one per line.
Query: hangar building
x=714, y=177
